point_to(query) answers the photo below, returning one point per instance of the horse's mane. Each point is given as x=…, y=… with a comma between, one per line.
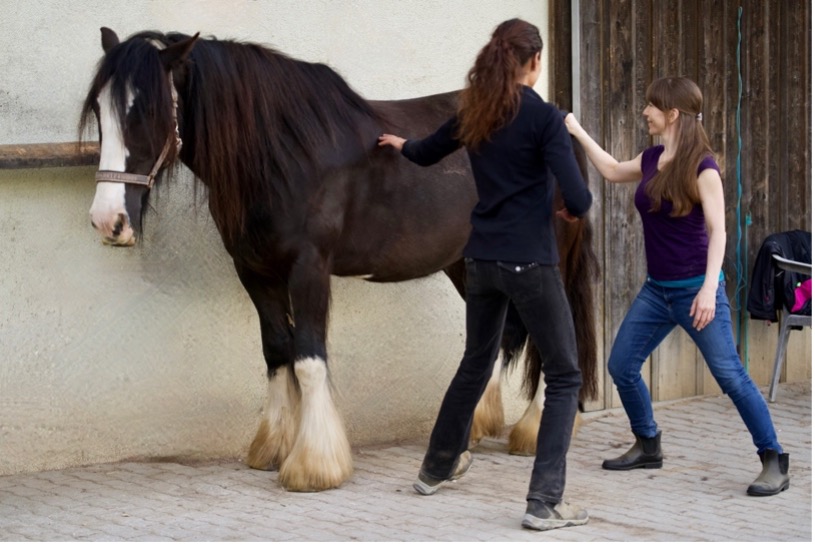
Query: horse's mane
x=256, y=123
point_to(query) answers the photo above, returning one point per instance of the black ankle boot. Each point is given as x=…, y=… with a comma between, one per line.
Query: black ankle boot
x=774, y=476
x=645, y=453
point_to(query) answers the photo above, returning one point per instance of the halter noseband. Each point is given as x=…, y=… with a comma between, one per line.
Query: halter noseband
x=148, y=179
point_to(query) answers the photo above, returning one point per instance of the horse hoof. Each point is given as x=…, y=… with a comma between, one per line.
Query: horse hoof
x=264, y=453
x=295, y=480
x=271, y=467
x=519, y=446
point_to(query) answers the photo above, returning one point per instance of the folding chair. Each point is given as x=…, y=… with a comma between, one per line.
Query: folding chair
x=788, y=320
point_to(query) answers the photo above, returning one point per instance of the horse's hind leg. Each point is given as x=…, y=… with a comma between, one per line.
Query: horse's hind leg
x=321, y=455
x=523, y=438
x=275, y=435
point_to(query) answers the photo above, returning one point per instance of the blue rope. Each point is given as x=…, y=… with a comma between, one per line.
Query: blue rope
x=741, y=239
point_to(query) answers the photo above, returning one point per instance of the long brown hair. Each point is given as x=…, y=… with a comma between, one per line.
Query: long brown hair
x=492, y=96
x=677, y=181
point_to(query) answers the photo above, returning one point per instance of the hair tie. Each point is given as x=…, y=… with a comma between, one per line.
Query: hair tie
x=699, y=116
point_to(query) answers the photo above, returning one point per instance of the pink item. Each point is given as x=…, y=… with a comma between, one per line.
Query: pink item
x=803, y=293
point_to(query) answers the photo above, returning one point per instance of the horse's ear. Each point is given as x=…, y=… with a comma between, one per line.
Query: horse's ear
x=109, y=39
x=177, y=53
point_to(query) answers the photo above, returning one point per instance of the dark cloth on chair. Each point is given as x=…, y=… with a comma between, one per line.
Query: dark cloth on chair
x=773, y=287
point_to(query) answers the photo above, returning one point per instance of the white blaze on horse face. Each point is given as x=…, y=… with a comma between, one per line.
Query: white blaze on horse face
x=108, y=213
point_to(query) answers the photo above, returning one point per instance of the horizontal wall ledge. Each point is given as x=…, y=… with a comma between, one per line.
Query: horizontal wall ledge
x=54, y=154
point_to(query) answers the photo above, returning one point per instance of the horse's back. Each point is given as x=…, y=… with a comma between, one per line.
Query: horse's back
x=418, y=116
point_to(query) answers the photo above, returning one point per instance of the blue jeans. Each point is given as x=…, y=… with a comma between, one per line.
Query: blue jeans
x=539, y=297
x=654, y=313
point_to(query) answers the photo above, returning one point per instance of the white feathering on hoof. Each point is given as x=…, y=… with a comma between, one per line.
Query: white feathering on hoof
x=523, y=438
x=321, y=456
x=275, y=436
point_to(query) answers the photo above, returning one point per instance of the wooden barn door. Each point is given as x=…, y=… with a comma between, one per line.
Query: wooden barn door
x=752, y=60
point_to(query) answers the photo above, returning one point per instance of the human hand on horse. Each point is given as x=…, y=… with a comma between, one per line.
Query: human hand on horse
x=392, y=140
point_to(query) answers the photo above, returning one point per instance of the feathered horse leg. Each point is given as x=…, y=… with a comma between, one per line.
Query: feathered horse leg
x=320, y=457
x=523, y=437
x=275, y=435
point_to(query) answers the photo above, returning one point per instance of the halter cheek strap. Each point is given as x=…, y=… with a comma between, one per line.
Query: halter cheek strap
x=147, y=179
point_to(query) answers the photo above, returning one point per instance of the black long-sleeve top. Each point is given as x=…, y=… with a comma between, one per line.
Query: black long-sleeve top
x=512, y=220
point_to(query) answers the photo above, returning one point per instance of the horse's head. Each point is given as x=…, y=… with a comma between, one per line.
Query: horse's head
x=134, y=100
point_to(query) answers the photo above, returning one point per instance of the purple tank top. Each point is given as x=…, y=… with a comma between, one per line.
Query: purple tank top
x=675, y=247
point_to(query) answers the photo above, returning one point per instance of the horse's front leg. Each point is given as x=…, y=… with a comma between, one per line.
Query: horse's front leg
x=275, y=435
x=321, y=455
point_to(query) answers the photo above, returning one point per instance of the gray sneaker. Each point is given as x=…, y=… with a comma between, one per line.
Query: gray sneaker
x=544, y=516
x=425, y=485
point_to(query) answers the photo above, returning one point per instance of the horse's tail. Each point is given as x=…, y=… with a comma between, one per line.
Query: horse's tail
x=581, y=268
x=578, y=267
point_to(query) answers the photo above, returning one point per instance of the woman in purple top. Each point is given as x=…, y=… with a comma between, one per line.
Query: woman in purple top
x=681, y=201
x=513, y=139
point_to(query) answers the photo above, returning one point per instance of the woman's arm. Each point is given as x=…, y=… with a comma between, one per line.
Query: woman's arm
x=611, y=169
x=429, y=150
x=711, y=194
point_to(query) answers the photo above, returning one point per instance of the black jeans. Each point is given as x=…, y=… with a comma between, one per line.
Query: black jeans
x=538, y=294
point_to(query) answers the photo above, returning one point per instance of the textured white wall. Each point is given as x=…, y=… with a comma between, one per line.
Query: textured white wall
x=109, y=353
x=386, y=49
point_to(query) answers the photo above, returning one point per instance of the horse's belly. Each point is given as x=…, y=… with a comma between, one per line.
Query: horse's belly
x=401, y=257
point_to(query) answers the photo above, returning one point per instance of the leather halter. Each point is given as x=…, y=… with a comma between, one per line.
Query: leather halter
x=148, y=179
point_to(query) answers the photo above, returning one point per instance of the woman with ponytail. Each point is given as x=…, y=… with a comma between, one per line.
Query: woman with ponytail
x=513, y=139
x=681, y=202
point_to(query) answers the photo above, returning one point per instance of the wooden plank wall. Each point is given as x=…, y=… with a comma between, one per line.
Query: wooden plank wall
x=623, y=46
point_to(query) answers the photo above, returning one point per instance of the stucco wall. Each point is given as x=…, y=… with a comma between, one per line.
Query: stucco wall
x=110, y=354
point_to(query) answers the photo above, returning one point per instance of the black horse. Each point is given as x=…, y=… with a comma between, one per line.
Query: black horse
x=299, y=191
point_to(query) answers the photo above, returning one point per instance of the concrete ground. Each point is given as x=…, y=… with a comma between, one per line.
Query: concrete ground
x=699, y=494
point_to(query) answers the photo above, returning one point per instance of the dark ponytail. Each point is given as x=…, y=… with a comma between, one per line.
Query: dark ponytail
x=492, y=95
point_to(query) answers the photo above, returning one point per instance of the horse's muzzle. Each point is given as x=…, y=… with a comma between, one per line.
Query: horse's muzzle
x=119, y=233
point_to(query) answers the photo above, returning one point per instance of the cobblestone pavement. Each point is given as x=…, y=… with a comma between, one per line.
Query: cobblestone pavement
x=699, y=494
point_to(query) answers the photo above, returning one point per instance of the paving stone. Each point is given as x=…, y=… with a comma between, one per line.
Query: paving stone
x=699, y=494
